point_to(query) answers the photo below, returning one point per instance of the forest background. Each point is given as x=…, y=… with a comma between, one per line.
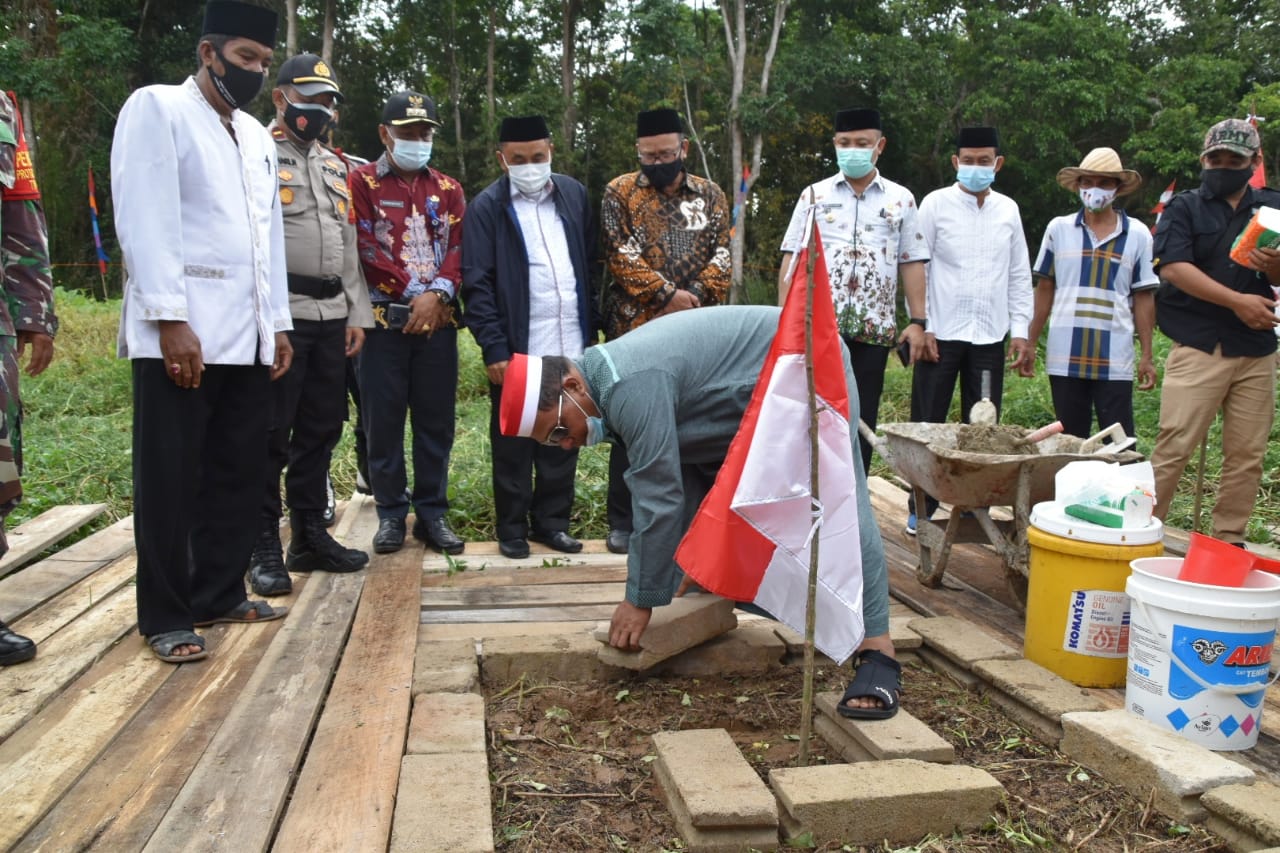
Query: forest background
x=758, y=80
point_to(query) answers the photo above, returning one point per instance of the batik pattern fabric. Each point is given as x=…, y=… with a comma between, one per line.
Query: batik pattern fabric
x=1091, y=325
x=409, y=232
x=657, y=243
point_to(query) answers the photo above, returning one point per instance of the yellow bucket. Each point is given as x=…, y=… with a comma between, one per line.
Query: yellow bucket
x=1077, y=610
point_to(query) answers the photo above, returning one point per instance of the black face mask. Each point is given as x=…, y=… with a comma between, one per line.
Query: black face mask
x=238, y=86
x=663, y=175
x=1225, y=182
x=307, y=121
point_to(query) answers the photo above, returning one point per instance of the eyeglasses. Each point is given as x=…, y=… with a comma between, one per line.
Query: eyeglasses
x=559, y=432
x=668, y=156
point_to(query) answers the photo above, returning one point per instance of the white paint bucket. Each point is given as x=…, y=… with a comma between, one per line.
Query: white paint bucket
x=1199, y=654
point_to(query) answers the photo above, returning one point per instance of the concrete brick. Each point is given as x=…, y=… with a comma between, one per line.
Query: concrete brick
x=960, y=641
x=900, y=736
x=901, y=633
x=705, y=771
x=555, y=657
x=900, y=801
x=943, y=666
x=684, y=623
x=795, y=646
x=1034, y=696
x=446, y=722
x=445, y=666
x=1137, y=755
x=443, y=804
x=746, y=650
x=1247, y=816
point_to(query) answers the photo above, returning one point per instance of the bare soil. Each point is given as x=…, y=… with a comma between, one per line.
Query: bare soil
x=572, y=764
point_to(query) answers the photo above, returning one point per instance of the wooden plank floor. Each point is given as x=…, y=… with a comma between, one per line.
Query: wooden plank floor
x=289, y=736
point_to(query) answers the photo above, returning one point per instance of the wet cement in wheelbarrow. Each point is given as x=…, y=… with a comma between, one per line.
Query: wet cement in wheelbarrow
x=993, y=438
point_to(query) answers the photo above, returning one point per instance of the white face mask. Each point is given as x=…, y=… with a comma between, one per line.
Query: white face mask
x=530, y=178
x=412, y=155
x=1096, y=198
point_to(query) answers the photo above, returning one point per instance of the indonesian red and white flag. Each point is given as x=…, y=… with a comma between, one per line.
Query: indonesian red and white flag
x=1165, y=198
x=751, y=538
x=1259, y=178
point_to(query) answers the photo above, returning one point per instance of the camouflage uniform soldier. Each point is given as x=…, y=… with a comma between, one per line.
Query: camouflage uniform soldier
x=26, y=318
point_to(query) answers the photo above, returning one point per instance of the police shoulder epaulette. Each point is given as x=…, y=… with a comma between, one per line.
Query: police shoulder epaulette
x=277, y=133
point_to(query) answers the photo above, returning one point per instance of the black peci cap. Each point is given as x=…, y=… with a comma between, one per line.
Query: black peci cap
x=978, y=137
x=859, y=119
x=658, y=122
x=240, y=20
x=523, y=129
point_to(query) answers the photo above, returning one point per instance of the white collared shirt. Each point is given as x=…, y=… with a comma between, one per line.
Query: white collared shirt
x=554, y=327
x=865, y=238
x=198, y=217
x=978, y=279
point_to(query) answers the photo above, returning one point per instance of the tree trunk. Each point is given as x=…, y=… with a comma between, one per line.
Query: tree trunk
x=569, y=122
x=455, y=91
x=290, y=28
x=490, y=103
x=326, y=43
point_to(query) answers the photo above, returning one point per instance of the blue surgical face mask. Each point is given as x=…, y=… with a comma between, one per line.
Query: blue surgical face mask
x=976, y=178
x=412, y=155
x=855, y=162
x=595, y=425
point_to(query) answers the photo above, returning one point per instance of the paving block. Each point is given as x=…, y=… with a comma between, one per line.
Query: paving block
x=1138, y=755
x=1034, y=696
x=443, y=804
x=684, y=623
x=961, y=641
x=900, y=736
x=718, y=801
x=900, y=801
x=901, y=633
x=446, y=722
x=943, y=666
x=545, y=657
x=746, y=650
x=795, y=645
x=1246, y=816
x=445, y=666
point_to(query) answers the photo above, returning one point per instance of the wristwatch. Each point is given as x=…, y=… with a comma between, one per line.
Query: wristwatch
x=918, y=321
x=445, y=298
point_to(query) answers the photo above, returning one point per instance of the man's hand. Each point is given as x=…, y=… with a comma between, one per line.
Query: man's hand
x=627, y=625
x=917, y=339
x=681, y=301
x=1256, y=312
x=1022, y=356
x=180, y=349
x=41, y=351
x=1266, y=261
x=355, y=340
x=496, y=371
x=427, y=314
x=1146, y=373
x=284, y=356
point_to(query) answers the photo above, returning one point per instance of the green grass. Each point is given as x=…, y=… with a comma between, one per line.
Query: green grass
x=78, y=421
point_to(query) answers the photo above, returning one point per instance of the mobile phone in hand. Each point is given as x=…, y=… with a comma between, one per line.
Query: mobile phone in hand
x=397, y=316
x=904, y=353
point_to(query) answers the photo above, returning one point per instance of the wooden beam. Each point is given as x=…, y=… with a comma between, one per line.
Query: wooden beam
x=23, y=592
x=57, y=613
x=31, y=537
x=527, y=576
x=523, y=596
x=563, y=613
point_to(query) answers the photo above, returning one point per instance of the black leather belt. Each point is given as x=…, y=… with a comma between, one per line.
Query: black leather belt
x=322, y=287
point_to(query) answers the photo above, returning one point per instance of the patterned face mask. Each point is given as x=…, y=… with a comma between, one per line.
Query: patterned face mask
x=1096, y=198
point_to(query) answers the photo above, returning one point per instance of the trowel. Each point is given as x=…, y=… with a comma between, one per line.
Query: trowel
x=984, y=411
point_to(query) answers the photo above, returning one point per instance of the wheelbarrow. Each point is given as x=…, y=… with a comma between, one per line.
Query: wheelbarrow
x=926, y=456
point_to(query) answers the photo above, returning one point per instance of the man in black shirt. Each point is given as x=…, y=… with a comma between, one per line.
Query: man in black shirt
x=1221, y=317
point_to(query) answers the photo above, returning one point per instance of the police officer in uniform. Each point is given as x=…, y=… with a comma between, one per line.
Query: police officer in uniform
x=330, y=308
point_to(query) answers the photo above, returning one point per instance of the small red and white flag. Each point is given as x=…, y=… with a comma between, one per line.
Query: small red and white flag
x=1165, y=198
x=1259, y=179
x=751, y=538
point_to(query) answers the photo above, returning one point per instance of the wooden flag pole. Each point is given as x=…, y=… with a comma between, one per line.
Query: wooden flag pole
x=810, y=611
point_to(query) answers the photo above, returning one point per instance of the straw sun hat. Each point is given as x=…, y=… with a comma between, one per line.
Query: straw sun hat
x=1101, y=162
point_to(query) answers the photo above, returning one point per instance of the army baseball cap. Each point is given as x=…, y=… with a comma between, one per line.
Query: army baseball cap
x=1235, y=135
x=310, y=75
x=410, y=107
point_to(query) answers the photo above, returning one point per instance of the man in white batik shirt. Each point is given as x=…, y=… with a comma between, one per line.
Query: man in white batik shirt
x=872, y=242
x=206, y=311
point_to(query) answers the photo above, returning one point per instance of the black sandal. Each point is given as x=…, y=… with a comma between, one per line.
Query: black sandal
x=878, y=676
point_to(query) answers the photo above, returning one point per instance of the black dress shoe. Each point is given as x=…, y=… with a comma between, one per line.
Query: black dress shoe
x=619, y=541
x=390, y=536
x=14, y=648
x=558, y=541
x=439, y=535
x=514, y=548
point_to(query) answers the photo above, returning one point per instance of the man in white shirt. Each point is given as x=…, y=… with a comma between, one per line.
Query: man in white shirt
x=526, y=284
x=205, y=317
x=871, y=240
x=978, y=286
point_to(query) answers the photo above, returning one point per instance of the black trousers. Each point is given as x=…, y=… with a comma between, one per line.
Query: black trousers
x=198, y=457
x=1076, y=400
x=532, y=483
x=415, y=375
x=357, y=430
x=618, y=499
x=869, y=361
x=308, y=406
x=933, y=384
